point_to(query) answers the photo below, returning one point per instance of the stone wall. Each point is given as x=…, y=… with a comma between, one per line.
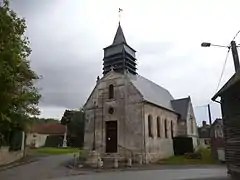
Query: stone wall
x=159, y=147
x=131, y=113
x=127, y=105
x=7, y=157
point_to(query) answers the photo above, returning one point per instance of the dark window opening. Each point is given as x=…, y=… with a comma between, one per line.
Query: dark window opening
x=110, y=91
x=158, y=127
x=150, y=134
x=172, y=129
x=165, y=128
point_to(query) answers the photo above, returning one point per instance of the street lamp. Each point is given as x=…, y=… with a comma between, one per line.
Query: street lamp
x=207, y=44
x=233, y=47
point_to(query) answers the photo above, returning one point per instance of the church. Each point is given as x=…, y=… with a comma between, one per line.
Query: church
x=127, y=115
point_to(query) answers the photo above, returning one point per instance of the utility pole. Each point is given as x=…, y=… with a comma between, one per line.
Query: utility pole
x=209, y=114
x=235, y=55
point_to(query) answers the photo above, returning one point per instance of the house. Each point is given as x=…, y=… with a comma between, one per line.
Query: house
x=127, y=115
x=204, y=134
x=46, y=134
x=217, y=140
x=186, y=125
x=230, y=106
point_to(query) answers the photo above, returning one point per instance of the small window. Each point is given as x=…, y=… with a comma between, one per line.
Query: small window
x=172, y=134
x=150, y=134
x=165, y=128
x=111, y=110
x=110, y=91
x=158, y=127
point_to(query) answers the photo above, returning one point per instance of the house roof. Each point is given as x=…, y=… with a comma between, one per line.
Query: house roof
x=217, y=121
x=119, y=36
x=152, y=92
x=233, y=80
x=204, y=132
x=48, y=128
x=181, y=106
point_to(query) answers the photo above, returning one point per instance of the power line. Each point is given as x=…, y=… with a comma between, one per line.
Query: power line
x=220, y=79
x=223, y=69
x=236, y=35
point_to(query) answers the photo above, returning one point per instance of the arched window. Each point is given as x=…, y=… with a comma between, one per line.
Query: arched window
x=192, y=124
x=158, y=127
x=165, y=128
x=110, y=91
x=150, y=134
x=172, y=129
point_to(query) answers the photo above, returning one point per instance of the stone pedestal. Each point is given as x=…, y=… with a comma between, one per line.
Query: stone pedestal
x=140, y=159
x=93, y=159
x=129, y=162
x=100, y=163
x=115, y=163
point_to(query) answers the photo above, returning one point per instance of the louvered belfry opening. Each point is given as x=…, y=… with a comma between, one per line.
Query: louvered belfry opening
x=119, y=56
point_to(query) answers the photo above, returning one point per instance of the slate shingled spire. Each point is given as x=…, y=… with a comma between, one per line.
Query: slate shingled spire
x=119, y=55
x=119, y=36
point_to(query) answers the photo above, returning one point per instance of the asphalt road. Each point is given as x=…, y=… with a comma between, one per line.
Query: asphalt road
x=165, y=174
x=46, y=168
x=52, y=167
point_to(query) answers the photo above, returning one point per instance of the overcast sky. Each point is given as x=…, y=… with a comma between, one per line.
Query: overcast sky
x=67, y=38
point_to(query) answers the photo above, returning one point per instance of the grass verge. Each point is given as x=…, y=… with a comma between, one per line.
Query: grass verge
x=205, y=154
x=56, y=150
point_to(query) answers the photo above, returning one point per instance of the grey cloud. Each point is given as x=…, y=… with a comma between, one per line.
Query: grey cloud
x=153, y=47
x=67, y=78
x=29, y=7
x=69, y=62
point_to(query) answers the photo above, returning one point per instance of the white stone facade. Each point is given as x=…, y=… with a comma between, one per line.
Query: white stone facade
x=131, y=113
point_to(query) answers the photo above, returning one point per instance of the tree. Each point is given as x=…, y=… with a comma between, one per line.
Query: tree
x=18, y=95
x=37, y=120
x=74, y=120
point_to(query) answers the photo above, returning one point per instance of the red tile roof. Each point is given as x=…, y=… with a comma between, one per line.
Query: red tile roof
x=48, y=128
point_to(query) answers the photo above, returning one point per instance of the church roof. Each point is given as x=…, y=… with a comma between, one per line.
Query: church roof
x=181, y=106
x=119, y=36
x=152, y=92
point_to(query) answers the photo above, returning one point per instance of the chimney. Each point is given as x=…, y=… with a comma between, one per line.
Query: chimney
x=204, y=123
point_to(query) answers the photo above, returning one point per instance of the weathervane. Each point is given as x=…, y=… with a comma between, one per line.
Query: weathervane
x=119, y=14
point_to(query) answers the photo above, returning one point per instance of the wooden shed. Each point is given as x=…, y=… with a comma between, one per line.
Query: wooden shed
x=230, y=106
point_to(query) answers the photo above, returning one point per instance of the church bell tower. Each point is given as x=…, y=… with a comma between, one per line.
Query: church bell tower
x=119, y=56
